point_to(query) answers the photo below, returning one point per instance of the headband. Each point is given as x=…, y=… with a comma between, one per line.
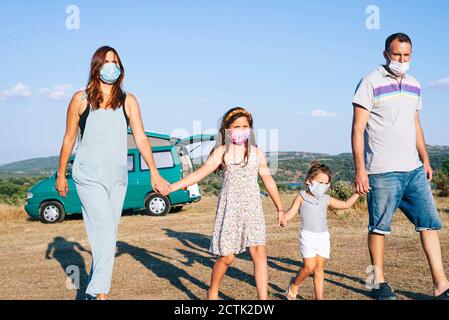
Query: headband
x=243, y=111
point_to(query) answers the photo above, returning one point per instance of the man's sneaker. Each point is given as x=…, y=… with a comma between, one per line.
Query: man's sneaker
x=443, y=296
x=384, y=292
x=90, y=297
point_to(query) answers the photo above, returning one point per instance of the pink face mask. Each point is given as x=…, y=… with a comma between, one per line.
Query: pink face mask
x=240, y=136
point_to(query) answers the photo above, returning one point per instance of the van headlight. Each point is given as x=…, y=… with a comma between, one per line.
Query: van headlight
x=29, y=195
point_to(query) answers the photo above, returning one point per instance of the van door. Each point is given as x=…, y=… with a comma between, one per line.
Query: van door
x=186, y=157
x=132, y=199
x=197, y=138
x=71, y=201
x=166, y=164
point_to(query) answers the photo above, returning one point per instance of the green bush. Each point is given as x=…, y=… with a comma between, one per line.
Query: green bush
x=442, y=180
x=445, y=167
x=342, y=190
x=13, y=190
x=8, y=189
x=442, y=184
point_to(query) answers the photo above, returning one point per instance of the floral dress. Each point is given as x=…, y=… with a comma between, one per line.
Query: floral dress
x=239, y=221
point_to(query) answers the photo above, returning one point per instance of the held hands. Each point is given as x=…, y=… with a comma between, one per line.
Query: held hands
x=160, y=185
x=282, y=220
x=362, y=183
x=61, y=185
x=428, y=171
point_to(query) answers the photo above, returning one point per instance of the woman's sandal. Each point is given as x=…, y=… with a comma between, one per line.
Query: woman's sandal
x=443, y=296
x=101, y=297
x=288, y=294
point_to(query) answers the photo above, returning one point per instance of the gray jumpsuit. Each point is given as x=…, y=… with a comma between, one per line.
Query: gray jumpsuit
x=101, y=178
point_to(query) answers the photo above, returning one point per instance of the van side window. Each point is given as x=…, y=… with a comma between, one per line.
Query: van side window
x=162, y=159
x=130, y=162
x=69, y=168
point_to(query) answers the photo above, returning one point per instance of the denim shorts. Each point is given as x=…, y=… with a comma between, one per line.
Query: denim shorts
x=408, y=191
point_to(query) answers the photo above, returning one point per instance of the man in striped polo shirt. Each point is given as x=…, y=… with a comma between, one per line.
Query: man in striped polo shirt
x=392, y=164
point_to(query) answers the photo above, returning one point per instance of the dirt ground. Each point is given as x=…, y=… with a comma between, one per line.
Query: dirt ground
x=167, y=257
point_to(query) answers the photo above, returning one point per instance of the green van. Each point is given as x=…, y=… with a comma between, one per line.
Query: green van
x=172, y=160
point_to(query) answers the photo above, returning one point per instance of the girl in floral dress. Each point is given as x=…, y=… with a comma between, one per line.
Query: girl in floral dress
x=239, y=222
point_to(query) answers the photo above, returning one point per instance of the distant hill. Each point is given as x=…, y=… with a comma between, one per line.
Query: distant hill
x=294, y=165
x=291, y=165
x=30, y=168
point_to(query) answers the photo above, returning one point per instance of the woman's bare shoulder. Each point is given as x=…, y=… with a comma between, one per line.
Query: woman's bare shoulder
x=79, y=95
x=131, y=101
x=79, y=101
x=130, y=98
x=130, y=94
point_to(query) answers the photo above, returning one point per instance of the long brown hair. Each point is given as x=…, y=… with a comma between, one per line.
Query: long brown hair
x=227, y=120
x=93, y=90
x=316, y=168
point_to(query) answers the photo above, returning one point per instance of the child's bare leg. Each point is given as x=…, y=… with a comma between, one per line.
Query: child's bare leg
x=318, y=278
x=259, y=256
x=304, y=272
x=218, y=272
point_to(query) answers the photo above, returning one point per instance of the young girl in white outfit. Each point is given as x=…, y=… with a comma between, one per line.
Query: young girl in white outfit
x=314, y=238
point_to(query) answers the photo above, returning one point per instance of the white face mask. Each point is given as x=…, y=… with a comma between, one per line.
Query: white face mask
x=318, y=189
x=399, y=68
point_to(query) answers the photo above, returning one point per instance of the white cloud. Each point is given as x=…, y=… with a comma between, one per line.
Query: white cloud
x=441, y=83
x=18, y=90
x=57, y=92
x=322, y=113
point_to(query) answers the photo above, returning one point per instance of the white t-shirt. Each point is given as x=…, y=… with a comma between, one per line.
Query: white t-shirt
x=390, y=134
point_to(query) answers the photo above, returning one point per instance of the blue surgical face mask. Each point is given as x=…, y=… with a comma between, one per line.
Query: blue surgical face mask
x=318, y=189
x=110, y=72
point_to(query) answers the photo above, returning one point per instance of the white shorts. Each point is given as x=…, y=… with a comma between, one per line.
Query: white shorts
x=314, y=244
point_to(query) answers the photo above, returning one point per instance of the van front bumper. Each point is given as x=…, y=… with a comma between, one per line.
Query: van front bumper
x=195, y=199
x=32, y=208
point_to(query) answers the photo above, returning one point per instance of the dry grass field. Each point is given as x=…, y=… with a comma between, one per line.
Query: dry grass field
x=167, y=257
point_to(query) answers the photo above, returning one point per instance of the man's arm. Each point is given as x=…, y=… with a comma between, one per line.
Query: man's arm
x=421, y=147
x=359, y=122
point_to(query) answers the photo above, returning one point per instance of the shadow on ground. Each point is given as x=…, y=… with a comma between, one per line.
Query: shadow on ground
x=68, y=254
x=194, y=249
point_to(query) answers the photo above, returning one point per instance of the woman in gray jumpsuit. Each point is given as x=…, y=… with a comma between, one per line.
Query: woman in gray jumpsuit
x=101, y=115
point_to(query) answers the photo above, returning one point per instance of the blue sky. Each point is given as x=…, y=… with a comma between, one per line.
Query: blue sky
x=293, y=64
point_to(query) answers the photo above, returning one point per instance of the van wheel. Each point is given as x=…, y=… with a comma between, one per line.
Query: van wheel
x=51, y=212
x=176, y=209
x=157, y=205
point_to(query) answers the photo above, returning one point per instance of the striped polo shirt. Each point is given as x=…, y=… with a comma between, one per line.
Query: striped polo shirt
x=390, y=134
